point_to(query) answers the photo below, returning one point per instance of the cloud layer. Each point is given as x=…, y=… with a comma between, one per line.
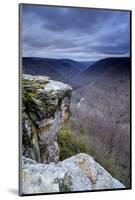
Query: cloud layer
x=79, y=34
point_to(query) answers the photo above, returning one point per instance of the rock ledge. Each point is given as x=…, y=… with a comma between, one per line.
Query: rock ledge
x=46, y=105
x=77, y=173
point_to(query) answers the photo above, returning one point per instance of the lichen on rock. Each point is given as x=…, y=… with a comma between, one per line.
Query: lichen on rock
x=66, y=176
x=45, y=107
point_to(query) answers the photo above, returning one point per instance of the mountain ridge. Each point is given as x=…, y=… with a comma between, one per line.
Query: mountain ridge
x=119, y=65
x=58, y=69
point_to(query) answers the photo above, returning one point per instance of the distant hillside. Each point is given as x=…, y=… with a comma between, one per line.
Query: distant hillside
x=105, y=87
x=58, y=69
x=108, y=65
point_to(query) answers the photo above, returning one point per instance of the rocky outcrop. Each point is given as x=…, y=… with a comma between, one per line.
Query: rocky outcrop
x=77, y=173
x=45, y=107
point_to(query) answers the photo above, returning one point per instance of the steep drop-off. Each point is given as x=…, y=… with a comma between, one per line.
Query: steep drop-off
x=45, y=107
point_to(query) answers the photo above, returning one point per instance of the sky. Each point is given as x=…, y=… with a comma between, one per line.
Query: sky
x=74, y=33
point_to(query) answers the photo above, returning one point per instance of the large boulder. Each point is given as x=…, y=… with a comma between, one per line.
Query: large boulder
x=45, y=106
x=77, y=173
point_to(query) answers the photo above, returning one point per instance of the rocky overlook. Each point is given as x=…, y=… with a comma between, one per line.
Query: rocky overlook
x=45, y=107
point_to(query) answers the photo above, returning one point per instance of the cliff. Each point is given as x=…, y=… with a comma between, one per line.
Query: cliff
x=45, y=107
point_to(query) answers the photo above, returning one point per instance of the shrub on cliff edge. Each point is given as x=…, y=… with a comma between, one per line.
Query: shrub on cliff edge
x=71, y=144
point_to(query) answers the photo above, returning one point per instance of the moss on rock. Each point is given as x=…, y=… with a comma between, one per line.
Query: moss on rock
x=46, y=103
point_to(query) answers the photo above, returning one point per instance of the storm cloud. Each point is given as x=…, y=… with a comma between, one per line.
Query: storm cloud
x=75, y=33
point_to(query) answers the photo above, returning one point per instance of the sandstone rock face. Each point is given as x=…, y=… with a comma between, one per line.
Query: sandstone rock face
x=45, y=107
x=77, y=173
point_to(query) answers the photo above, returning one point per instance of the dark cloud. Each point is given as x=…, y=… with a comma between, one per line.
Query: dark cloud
x=80, y=34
